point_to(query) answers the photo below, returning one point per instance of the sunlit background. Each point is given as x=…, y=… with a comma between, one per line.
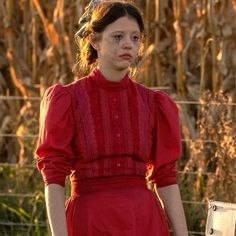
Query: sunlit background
x=190, y=53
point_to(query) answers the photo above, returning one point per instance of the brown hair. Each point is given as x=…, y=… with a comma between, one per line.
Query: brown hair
x=103, y=14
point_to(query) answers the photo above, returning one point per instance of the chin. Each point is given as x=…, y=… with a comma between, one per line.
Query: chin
x=123, y=66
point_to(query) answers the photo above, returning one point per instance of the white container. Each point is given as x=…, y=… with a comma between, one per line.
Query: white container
x=221, y=219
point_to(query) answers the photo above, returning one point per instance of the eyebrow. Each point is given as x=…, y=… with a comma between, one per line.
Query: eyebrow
x=120, y=31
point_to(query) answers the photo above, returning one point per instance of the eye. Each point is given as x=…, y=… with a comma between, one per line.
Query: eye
x=117, y=37
x=135, y=38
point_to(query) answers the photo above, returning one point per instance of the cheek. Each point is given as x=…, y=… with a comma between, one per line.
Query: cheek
x=111, y=50
x=108, y=47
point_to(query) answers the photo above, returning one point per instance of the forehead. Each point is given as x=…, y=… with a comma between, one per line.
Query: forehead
x=125, y=24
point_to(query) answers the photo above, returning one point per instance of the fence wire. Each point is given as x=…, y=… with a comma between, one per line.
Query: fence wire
x=31, y=166
x=32, y=136
x=180, y=102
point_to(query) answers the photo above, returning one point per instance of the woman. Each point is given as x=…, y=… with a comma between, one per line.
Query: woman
x=110, y=134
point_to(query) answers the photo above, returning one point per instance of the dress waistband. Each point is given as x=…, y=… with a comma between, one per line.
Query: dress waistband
x=106, y=183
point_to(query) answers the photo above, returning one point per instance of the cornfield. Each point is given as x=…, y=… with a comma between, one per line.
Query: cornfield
x=190, y=52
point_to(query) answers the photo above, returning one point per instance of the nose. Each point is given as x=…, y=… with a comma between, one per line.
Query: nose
x=127, y=44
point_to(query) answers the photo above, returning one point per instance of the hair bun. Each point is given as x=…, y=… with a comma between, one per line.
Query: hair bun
x=86, y=17
x=88, y=11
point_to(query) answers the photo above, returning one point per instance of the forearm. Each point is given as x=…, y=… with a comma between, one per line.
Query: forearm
x=55, y=202
x=171, y=199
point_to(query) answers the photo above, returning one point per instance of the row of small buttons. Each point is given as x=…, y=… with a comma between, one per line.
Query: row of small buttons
x=118, y=135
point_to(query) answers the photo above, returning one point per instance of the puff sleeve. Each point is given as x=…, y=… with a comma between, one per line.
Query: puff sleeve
x=166, y=141
x=54, y=150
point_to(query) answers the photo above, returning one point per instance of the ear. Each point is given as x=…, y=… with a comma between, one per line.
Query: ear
x=94, y=41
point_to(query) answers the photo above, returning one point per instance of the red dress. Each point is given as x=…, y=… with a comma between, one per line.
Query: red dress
x=110, y=137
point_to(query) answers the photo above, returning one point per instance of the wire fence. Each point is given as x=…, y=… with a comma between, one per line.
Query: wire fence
x=32, y=166
x=180, y=102
x=36, y=136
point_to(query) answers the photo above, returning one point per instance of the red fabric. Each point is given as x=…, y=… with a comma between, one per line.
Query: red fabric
x=115, y=206
x=167, y=144
x=56, y=132
x=96, y=128
x=100, y=131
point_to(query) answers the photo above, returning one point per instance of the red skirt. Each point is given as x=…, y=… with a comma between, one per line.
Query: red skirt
x=114, y=206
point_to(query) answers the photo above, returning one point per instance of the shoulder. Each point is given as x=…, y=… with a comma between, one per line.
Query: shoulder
x=58, y=96
x=56, y=92
x=165, y=105
x=63, y=90
x=79, y=83
x=162, y=97
x=161, y=102
x=154, y=96
x=152, y=93
x=142, y=90
x=140, y=86
x=56, y=105
x=54, y=89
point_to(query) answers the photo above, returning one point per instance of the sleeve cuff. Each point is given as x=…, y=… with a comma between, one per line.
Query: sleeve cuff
x=48, y=179
x=166, y=182
x=61, y=183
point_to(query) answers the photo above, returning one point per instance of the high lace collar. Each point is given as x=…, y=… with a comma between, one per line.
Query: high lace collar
x=101, y=81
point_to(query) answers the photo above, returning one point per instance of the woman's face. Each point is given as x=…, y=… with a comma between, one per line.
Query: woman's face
x=118, y=44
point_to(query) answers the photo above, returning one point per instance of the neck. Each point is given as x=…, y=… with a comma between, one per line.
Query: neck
x=111, y=74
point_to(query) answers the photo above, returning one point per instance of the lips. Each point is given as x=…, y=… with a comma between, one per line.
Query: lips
x=126, y=56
